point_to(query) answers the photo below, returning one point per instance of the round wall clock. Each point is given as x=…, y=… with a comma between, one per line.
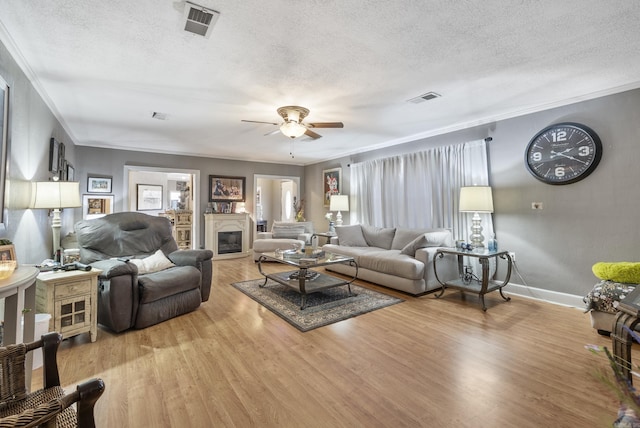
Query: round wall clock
x=563, y=153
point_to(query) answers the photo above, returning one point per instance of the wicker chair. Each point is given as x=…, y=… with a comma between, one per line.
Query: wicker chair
x=50, y=406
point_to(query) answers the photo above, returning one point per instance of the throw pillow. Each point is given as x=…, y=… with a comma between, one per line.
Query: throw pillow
x=429, y=239
x=153, y=263
x=625, y=272
x=350, y=236
x=378, y=236
x=282, y=231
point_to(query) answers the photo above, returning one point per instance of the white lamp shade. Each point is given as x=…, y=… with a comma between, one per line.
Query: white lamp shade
x=55, y=194
x=339, y=203
x=476, y=199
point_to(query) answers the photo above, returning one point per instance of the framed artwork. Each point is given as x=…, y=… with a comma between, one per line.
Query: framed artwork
x=62, y=170
x=332, y=183
x=98, y=184
x=226, y=189
x=7, y=252
x=149, y=197
x=4, y=141
x=71, y=172
x=62, y=167
x=95, y=206
x=54, y=155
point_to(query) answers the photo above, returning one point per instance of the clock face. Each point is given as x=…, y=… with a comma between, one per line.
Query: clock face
x=563, y=153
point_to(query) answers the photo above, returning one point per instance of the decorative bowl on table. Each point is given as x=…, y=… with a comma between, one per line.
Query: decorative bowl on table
x=6, y=268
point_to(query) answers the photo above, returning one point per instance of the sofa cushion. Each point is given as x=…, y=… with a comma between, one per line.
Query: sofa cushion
x=429, y=239
x=404, y=236
x=308, y=225
x=380, y=237
x=351, y=236
x=154, y=263
x=287, y=231
x=168, y=282
x=393, y=263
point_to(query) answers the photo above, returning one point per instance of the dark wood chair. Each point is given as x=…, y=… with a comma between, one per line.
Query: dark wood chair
x=50, y=406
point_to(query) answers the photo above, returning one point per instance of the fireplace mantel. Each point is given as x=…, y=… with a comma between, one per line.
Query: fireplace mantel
x=214, y=224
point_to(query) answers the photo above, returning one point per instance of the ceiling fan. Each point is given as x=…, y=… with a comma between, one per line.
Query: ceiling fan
x=293, y=126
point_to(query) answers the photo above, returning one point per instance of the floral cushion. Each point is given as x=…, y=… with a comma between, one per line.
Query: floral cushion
x=606, y=295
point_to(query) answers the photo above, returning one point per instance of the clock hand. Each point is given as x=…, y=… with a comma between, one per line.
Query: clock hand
x=567, y=156
x=558, y=153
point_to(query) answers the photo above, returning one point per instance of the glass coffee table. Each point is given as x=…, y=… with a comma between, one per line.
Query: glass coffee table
x=304, y=279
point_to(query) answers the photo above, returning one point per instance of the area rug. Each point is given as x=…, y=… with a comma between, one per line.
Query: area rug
x=323, y=307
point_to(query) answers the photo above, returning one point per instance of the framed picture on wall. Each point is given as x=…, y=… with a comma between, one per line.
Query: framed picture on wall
x=149, y=197
x=71, y=172
x=332, y=183
x=54, y=155
x=7, y=252
x=226, y=189
x=98, y=184
x=95, y=206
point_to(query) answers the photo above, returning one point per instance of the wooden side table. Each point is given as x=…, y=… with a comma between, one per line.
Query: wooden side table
x=71, y=297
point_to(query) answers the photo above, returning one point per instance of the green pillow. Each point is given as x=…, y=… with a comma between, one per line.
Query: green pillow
x=626, y=272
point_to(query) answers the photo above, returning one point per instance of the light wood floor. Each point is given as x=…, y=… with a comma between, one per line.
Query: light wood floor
x=425, y=362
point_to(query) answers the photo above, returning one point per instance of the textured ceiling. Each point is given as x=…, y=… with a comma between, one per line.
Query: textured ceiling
x=105, y=66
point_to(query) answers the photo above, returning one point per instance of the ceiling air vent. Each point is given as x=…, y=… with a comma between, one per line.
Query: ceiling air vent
x=199, y=20
x=424, y=97
x=159, y=116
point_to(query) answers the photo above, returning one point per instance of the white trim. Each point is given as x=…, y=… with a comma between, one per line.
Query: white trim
x=195, y=231
x=549, y=296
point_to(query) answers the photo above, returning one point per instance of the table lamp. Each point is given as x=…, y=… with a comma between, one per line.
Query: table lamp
x=339, y=203
x=476, y=199
x=55, y=195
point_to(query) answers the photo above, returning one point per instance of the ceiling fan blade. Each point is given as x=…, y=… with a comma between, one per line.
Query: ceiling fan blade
x=275, y=131
x=258, y=121
x=326, y=125
x=312, y=134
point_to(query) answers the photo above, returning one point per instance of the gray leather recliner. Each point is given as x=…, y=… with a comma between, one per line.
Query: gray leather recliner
x=127, y=299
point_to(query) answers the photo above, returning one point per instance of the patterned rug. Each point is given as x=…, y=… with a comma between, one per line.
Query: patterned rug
x=323, y=307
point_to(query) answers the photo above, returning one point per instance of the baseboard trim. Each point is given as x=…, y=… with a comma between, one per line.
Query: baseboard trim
x=554, y=297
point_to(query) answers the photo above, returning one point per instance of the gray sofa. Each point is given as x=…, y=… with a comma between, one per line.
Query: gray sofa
x=153, y=281
x=397, y=258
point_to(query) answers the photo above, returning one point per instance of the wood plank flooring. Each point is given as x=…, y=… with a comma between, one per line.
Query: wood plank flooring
x=425, y=362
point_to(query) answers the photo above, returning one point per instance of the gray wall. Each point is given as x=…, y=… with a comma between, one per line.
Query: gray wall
x=31, y=125
x=97, y=161
x=581, y=223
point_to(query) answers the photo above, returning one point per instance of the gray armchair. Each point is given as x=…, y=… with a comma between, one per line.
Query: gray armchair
x=128, y=298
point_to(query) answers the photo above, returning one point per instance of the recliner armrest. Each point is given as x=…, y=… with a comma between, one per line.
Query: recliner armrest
x=201, y=259
x=190, y=257
x=112, y=268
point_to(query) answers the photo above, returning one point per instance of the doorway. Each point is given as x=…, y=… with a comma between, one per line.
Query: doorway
x=179, y=188
x=274, y=197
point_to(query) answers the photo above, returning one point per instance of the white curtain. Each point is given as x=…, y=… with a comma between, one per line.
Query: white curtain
x=420, y=190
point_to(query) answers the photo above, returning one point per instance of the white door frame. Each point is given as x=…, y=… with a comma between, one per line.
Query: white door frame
x=195, y=230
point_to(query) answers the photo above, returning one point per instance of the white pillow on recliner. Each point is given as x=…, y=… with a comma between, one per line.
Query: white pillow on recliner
x=153, y=263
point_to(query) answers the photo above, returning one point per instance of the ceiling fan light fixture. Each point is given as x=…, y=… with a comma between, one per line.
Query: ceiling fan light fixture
x=292, y=129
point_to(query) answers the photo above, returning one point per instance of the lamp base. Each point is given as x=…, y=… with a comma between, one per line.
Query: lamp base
x=339, y=219
x=476, y=237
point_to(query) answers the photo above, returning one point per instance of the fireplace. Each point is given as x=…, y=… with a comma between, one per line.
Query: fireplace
x=230, y=242
x=227, y=235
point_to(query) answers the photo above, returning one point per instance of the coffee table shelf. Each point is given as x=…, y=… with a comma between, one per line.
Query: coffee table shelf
x=480, y=286
x=303, y=285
